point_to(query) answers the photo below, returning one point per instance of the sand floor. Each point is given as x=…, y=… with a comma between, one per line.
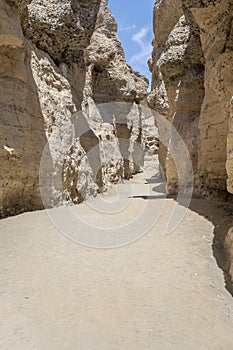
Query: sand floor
x=161, y=292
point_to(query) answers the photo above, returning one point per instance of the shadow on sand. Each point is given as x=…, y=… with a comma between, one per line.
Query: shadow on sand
x=220, y=214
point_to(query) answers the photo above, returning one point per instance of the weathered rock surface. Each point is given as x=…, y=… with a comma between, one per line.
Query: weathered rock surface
x=59, y=58
x=22, y=133
x=192, y=87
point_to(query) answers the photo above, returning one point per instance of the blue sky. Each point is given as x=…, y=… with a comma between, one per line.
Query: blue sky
x=135, y=30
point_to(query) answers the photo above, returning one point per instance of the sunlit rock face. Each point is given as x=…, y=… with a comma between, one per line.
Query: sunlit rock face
x=59, y=58
x=22, y=133
x=192, y=87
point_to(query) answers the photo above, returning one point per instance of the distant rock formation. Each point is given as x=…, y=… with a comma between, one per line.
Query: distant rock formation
x=58, y=58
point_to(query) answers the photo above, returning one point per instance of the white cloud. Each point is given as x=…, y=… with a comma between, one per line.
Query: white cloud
x=139, y=36
x=127, y=28
x=145, y=46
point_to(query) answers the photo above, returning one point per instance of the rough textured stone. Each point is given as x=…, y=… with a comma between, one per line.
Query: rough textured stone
x=215, y=23
x=22, y=134
x=59, y=60
x=61, y=28
x=192, y=87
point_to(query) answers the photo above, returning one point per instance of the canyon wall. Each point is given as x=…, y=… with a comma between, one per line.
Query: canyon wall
x=192, y=86
x=70, y=105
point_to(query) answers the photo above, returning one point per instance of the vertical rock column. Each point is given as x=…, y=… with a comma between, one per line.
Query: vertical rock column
x=177, y=67
x=214, y=20
x=22, y=136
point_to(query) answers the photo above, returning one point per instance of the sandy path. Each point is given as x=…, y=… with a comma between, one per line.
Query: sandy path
x=161, y=292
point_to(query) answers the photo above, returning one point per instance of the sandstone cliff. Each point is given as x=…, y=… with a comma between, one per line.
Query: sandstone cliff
x=59, y=58
x=192, y=87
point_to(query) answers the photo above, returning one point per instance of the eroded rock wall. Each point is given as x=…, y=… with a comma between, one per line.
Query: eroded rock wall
x=192, y=87
x=59, y=61
x=22, y=132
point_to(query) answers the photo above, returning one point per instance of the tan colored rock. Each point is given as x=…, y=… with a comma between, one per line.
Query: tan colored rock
x=22, y=135
x=215, y=23
x=58, y=61
x=177, y=85
x=192, y=87
x=229, y=163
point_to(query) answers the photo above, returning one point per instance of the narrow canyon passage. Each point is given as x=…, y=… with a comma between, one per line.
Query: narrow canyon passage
x=160, y=292
x=87, y=96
